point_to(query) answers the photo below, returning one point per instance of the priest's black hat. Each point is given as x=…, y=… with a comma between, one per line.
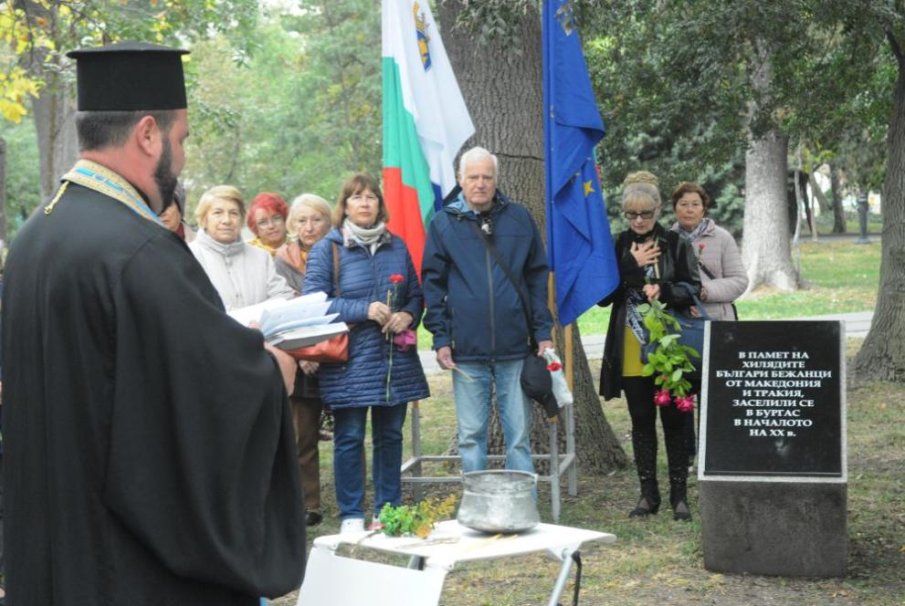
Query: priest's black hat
x=130, y=76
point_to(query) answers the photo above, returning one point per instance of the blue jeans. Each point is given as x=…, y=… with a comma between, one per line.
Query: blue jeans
x=349, y=461
x=473, y=405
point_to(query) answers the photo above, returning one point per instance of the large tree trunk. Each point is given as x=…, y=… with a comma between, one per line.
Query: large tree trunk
x=821, y=203
x=766, y=247
x=55, y=125
x=882, y=356
x=54, y=109
x=503, y=91
x=838, y=211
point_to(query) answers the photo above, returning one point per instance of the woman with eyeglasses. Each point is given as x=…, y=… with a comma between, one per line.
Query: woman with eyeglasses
x=652, y=261
x=267, y=221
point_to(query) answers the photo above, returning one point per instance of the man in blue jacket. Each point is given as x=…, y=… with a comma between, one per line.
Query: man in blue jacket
x=474, y=309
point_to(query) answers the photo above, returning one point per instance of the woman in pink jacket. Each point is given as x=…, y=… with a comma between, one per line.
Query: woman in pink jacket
x=723, y=275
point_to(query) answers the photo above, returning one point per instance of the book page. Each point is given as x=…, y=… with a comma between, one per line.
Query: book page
x=254, y=313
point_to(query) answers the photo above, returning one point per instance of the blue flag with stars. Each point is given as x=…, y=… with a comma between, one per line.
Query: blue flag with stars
x=579, y=243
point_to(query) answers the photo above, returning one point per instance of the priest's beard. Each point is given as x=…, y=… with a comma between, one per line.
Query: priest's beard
x=163, y=175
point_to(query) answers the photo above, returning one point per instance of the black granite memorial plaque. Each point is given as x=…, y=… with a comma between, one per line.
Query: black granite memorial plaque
x=774, y=403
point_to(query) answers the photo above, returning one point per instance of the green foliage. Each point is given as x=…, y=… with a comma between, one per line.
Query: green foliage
x=23, y=189
x=17, y=86
x=670, y=362
x=418, y=519
x=496, y=20
x=677, y=83
x=669, y=96
x=37, y=33
x=297, y=113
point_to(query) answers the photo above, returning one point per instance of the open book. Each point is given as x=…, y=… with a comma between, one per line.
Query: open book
x=292, y=323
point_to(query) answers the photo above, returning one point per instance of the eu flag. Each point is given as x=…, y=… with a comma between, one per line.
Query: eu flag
x=578, y=233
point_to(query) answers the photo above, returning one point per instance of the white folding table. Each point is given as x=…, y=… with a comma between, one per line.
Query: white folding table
x=333, y=579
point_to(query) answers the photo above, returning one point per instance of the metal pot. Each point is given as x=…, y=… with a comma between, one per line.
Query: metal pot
x=499, y=501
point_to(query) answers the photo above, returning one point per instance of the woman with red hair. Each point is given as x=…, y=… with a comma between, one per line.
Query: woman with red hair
x=267, y=221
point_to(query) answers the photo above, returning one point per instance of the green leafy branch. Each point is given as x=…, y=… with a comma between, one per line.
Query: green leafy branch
x=417, y=519
x=670, y=361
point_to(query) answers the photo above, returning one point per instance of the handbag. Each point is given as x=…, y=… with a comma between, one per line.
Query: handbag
x=535, y=379
x=691, y=332
x=336, y=348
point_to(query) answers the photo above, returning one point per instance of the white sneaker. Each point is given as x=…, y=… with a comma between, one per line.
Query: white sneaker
x=352, y=526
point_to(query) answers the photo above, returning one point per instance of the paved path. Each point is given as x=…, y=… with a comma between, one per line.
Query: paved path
x=856, y=325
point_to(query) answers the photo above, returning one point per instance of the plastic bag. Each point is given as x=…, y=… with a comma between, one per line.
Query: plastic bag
x=560, y=387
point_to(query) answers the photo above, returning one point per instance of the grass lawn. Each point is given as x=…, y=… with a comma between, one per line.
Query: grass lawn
x=659, y=561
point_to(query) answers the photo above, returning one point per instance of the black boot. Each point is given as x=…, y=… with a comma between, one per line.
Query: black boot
x=679, y=500
x=649, y=503
x=676, y=456
x=645, y=447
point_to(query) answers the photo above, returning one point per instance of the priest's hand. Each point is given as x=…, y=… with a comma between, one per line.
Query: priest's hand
x=287, y=366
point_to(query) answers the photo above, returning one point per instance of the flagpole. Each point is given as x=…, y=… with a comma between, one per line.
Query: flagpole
x=551, y=305
x=567, y=336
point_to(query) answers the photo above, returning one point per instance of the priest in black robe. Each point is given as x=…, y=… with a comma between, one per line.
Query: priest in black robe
x=149, y=451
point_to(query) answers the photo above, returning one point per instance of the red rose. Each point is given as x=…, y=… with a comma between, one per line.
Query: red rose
x=396, y=279
x=662, y=397
x=685, y=403
x=554, y=366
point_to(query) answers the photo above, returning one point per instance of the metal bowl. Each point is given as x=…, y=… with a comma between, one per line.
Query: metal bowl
x=499, y=501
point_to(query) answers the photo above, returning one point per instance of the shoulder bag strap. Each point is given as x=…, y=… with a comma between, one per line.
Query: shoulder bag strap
x=711, y=275
x=706, y=271
x=694, y=297
x=335, y=248
x=526, y=305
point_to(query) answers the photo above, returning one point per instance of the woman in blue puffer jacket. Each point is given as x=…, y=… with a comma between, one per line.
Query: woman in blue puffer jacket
x=377, y=293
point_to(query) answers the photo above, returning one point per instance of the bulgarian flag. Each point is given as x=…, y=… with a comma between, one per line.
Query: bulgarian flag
x=425, y=121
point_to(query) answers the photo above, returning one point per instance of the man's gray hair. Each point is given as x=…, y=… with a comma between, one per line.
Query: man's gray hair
x=476, y=154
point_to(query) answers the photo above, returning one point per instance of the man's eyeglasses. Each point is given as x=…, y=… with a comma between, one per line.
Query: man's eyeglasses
x=647, y=215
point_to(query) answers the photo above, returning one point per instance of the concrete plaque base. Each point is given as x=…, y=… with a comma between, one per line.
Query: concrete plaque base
x=774, y=528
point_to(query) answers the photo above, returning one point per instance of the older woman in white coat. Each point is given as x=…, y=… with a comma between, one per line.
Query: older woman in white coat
x=242, y=274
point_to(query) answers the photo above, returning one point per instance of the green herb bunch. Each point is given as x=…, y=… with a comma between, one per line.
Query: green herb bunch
x=670, y=361
x=417, y=519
